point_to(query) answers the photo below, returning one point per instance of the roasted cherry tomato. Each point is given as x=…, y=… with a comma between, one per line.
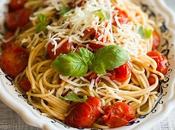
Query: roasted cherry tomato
x=83, y=115
x=64, y=48
x=7, y=35
x=17, y=19
x=95, y=46
x=118, y=114
x=89, y=33
x=13, y=60
x=16, y=4
x=160, y=60
x=151, y=80
x=156, y=40
x=121, y=73
x=24, y=84
x=122, y=16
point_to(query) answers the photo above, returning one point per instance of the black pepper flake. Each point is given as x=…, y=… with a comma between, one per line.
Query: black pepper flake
x=163, y=28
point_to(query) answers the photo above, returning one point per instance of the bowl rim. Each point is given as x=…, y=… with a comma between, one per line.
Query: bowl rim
x=31, y=119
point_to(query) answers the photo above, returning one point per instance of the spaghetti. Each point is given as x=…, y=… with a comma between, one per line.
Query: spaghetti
x=56, y=25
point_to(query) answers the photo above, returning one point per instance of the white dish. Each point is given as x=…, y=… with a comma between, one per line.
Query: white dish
x=164, y=106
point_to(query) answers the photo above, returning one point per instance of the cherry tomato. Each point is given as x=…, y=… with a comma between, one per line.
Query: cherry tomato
x=13, y=60
x=7, y=35
x=151, y=80
x=122, y=17
x=118, y=114
x=64, y=48
x=17, y=19
x=89, y=33
x=156, y=40
x=24, y=84
x=95, y=46
x=121, y=73
x=16, y=4
x=160, y=60
x=83, y=115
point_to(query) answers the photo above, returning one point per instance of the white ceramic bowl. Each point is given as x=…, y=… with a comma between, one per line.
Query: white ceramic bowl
x=164, y=105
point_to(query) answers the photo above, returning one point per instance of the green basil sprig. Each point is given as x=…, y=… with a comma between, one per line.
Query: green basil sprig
x=78, y=63
x=42, y=23
x=71, y=96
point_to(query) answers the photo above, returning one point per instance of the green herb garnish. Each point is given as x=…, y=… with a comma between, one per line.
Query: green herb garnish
x=78, y=63
x=74, y=63
x=64, y=10
x=71, y=96
x=42, y=23
x=108, y=58
x=145, y=32
x=103, y=15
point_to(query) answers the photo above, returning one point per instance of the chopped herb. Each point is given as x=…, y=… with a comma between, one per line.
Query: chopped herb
x=42, y=23
x=145, y=32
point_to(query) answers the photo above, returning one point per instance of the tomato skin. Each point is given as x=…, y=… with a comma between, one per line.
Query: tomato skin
x=16, y=4
x=89, y=33
x=123, y=16
x=160, y=60
x=17, y=19
x=7, y=35
x=13, y=60
x=64, y=49
x=24, y=85
x=151, y=80
x=156, y=40
x=118, y=114
x=83, y=115
x=121, y=73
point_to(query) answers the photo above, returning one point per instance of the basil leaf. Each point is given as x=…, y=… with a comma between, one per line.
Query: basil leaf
x=71, y=96
x=73, y=64
x=103, y=15
x=145, y=32
x=108, y=58
x=64, y=10
x=42, y=23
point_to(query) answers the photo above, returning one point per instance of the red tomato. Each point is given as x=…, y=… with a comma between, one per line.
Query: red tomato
x=151, y=80
x=7, y=35
x=17, y=19
x=123, y=17
x=95, y=46
x=118, y=114
x=64, y=48
x=89, y=33
x=156, y=40
x=17, y=4
x=83, y=115
x=121, y=73
x=13, y=60
x=24, y=84
x=160, y=60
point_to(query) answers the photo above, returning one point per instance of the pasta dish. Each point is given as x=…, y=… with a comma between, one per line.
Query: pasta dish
x=87, y=63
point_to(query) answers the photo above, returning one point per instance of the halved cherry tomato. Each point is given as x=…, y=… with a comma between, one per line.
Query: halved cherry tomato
x=17, y=19
x=121, y=73
x=122, y=17
x=64, y=48
x=13, y=60
x=16, y=4
x=156, y=40
x=83, y=115
x=118, y=114
x=160, y=60
x=24, y=84
x=95, y=46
